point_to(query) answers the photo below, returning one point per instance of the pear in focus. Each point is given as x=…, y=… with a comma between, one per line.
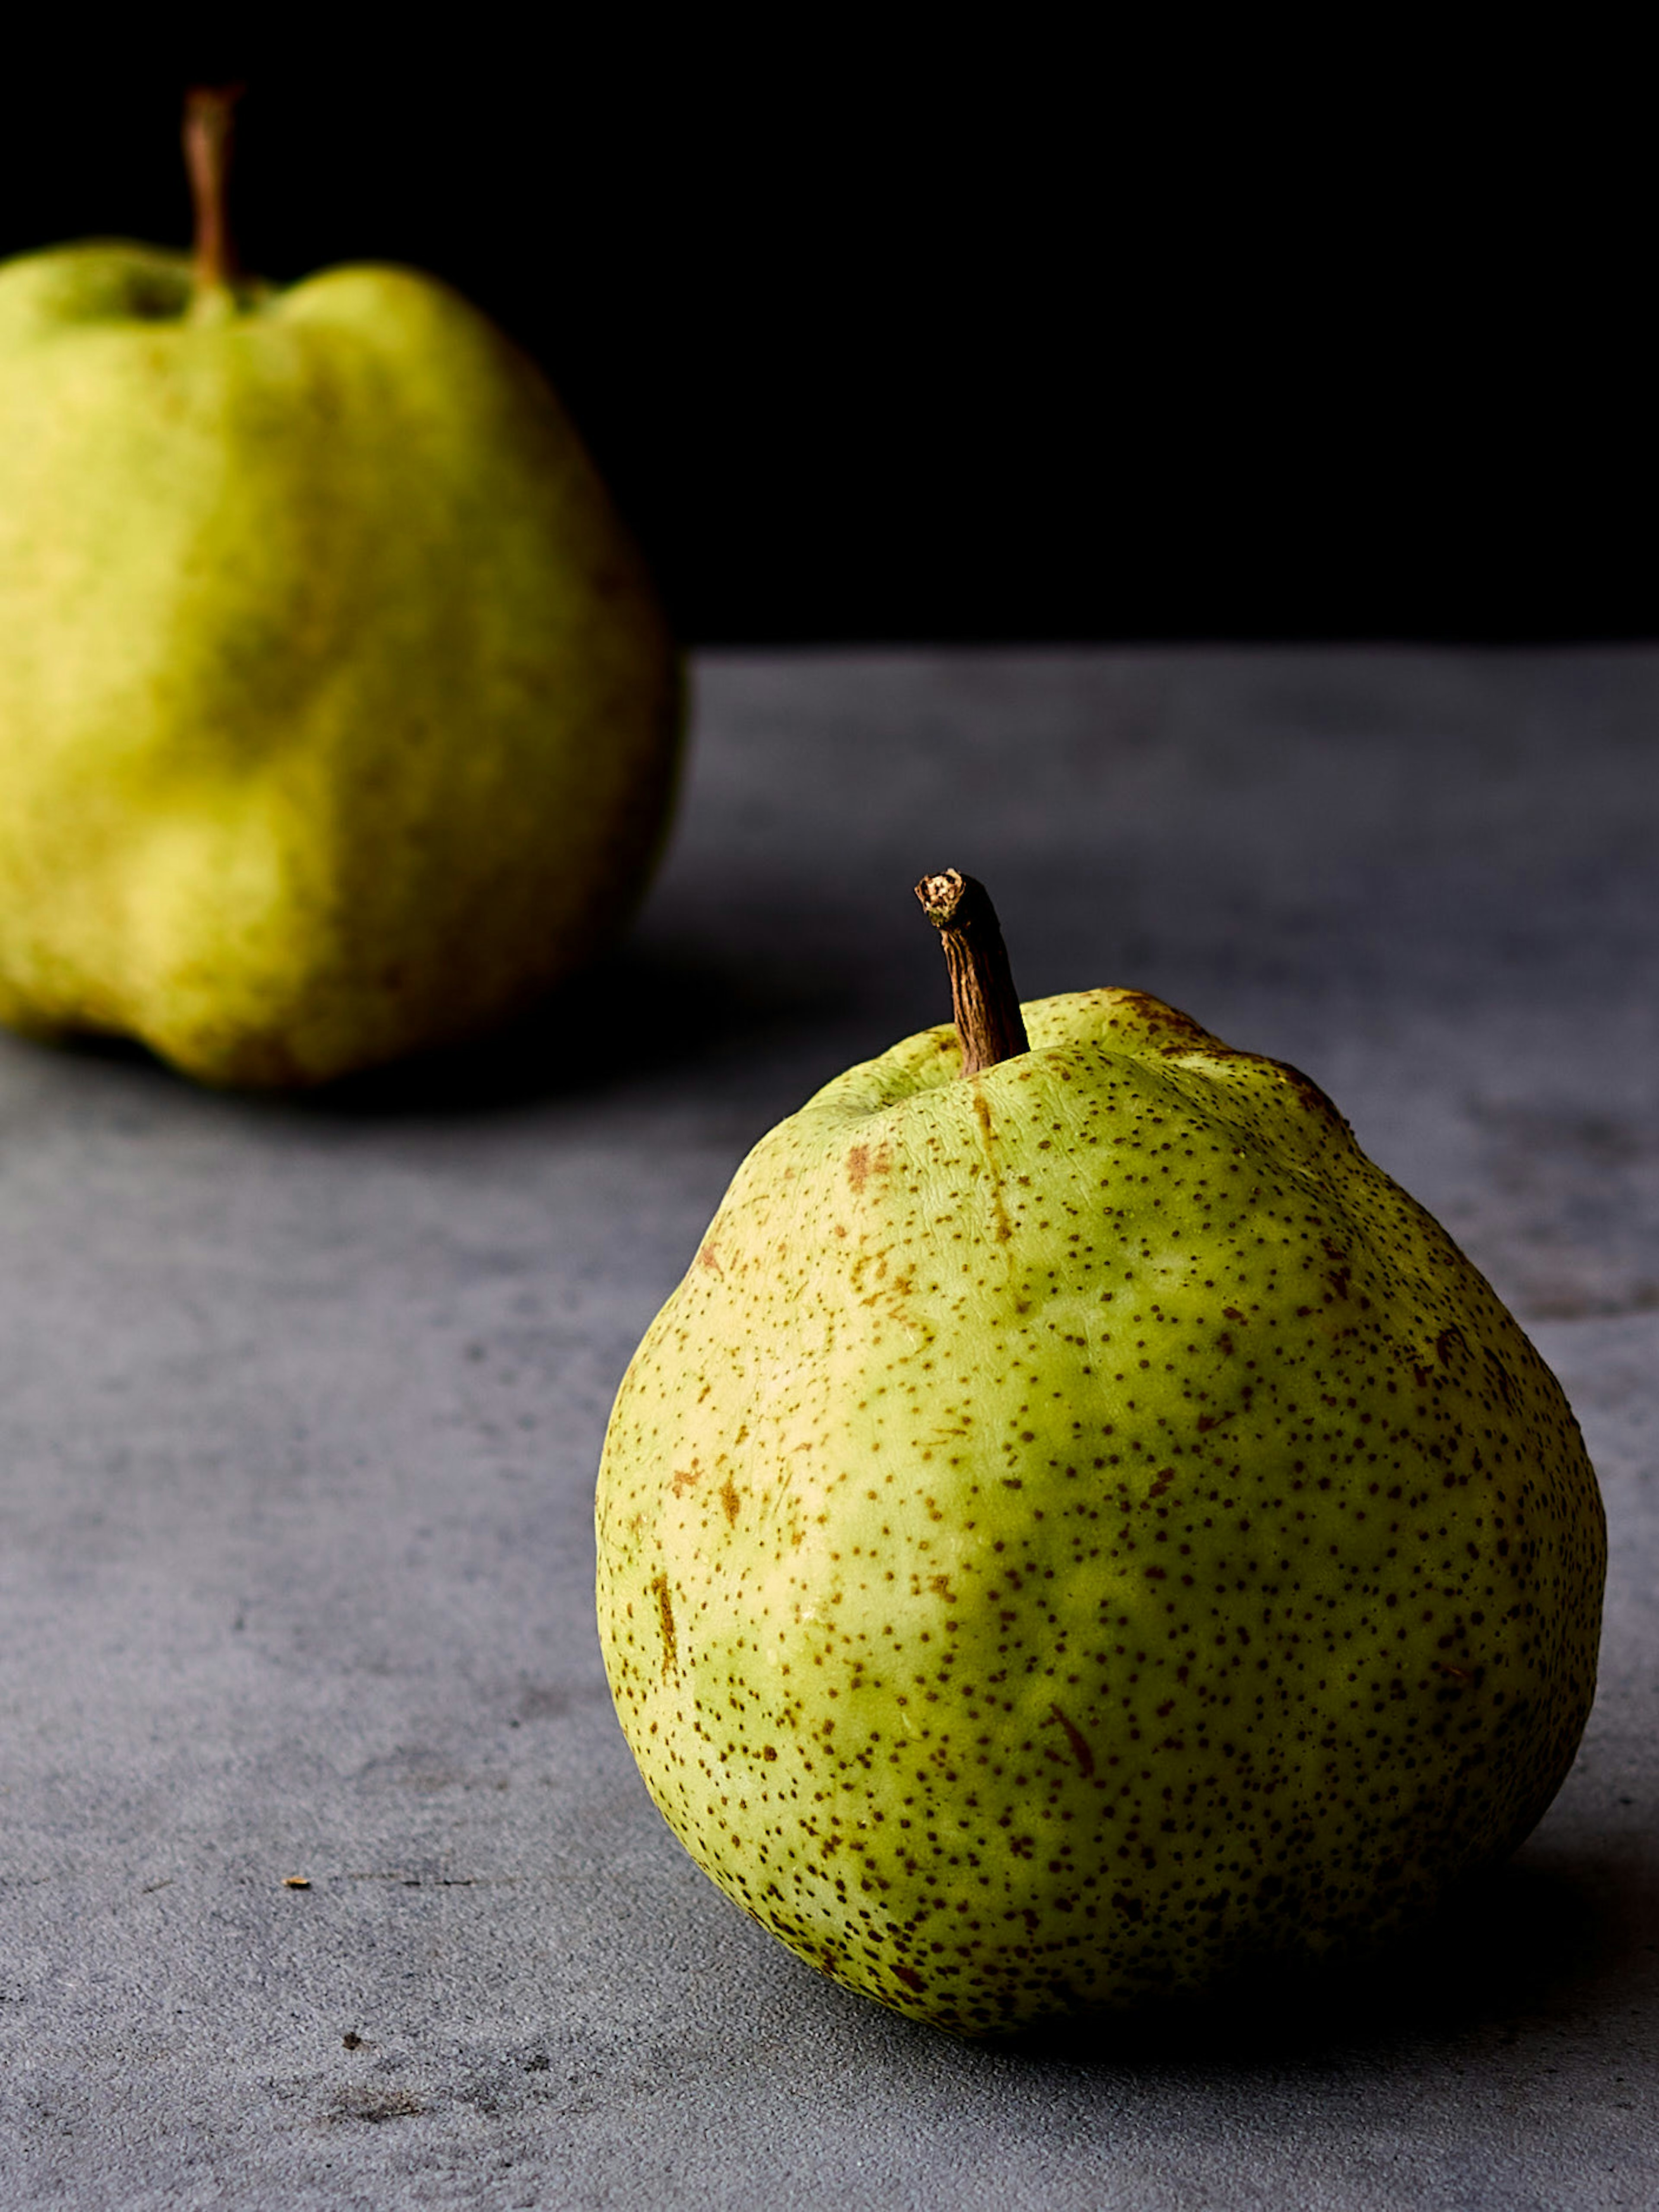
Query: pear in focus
x=338, y=715
x=1080, y=1532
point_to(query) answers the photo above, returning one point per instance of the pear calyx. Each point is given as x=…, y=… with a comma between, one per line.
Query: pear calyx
x=983, y=1001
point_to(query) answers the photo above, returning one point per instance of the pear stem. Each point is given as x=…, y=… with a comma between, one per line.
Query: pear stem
x=989, y=1025
x=208, y=135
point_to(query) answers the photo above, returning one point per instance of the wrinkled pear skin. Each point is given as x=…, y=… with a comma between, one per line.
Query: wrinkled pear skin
x=1079, y=1530
x=338, y=715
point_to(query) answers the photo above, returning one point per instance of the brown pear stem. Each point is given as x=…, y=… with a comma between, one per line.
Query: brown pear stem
x=208, y=135
x=989, y=1023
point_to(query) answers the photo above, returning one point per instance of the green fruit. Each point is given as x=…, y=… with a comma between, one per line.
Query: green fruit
x=1081, y=1527
x=337, y=714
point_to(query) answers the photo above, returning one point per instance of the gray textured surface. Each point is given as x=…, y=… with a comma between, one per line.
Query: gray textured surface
x=299, y=1405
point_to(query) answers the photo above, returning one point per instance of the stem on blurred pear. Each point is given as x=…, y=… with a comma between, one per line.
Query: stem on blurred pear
x=209, y=132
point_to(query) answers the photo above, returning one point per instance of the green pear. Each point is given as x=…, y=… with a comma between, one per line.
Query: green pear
x=1081, y=1529
x=338, y=716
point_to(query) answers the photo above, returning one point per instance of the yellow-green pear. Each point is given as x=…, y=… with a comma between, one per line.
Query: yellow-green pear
x=338, y=716
x=1080, y=1530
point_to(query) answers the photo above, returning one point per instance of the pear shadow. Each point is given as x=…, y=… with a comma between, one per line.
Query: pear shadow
x=1523, y=1944
x=643, y=1011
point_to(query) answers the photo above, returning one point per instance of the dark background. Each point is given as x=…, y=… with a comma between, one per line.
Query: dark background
x=954, y=335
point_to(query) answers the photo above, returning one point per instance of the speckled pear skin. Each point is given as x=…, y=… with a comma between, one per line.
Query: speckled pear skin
x=337, y=714
x=1080, y=1528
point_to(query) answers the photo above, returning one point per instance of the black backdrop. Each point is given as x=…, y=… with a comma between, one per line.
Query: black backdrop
x=948, y=335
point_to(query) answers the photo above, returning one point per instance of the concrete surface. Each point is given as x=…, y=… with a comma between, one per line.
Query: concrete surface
x=301, y=1403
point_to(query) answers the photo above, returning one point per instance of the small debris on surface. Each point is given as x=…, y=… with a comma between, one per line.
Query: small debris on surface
x=375, y=2106
x=296, y=1881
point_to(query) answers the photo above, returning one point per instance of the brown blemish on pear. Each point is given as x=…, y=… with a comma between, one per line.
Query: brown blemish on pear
x=662, y=1593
